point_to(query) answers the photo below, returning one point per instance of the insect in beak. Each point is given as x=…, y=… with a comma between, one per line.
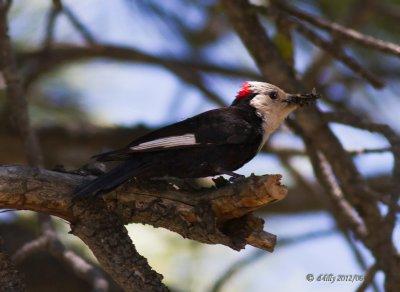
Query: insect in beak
x=302, y=99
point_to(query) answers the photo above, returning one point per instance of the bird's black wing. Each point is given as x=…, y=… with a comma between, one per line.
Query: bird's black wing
x=214, y=127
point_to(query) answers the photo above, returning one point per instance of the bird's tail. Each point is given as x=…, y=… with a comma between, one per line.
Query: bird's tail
x=110, y=180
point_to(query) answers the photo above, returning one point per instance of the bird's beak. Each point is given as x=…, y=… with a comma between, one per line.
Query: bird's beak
x=302, y=98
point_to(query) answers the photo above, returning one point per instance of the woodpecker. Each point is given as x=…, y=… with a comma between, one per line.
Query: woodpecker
x=212, y=143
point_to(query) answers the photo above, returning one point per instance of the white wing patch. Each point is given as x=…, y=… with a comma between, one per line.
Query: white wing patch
x=167, y=142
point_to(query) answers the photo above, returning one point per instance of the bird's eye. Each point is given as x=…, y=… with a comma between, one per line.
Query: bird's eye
x=273, y=95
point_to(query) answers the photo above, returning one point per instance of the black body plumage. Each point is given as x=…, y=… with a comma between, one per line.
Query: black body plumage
x=225, y=139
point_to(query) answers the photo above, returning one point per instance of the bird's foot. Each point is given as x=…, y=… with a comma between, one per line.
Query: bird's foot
x=237, y=178
x=234, y=177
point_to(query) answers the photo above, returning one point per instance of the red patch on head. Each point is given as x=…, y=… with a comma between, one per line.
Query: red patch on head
x=244, y=91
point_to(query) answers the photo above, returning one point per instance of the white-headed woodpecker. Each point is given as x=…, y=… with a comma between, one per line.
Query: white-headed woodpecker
x=215, y=142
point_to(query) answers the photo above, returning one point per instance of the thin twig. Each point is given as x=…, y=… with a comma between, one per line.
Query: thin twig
x=54, y=11
x=338, y=199
x=357, y=16
x=330, y=47
x=356, y=152
x=66, y=53
x=338, y=53
x=341, y=31
x=258, y=255
x=368, y=278
x=60, y=8
x=359, y=257
x=351, y=119
x=77, y=23
x=194, y=78
x=79, y=266
x=38, y=244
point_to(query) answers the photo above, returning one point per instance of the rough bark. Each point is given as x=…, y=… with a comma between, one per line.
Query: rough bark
x=109, y=241
x=214, y=216
x=200, y=215
x=10, y=278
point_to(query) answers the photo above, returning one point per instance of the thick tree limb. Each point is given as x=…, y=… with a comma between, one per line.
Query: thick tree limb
x=207, y=216
x=216, y=216
x=108, y=239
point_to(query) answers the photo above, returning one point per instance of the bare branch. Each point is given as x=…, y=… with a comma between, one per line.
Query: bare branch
x=54, y=11
x=38, y=244
x=338, y=53
x=358, y=14
x=221, y=215
x=330, y=47
x=208, y=213
x=106, y=236
x=342, y=205
x=65, y=54
x=76, y=22
x=259, y=255
x=15, y=95
x=353, y=120
x=368, y=278
x=341, y=31
x=296, y=152
x=194, y=78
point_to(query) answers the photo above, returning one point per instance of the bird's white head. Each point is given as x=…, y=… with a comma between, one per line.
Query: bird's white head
x=271, y=103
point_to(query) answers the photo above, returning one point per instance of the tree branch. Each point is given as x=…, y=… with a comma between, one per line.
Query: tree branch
x=214, y=216
x=10, y=278
x=76, y=22
x=368, y=278
x=108, y=239
x=65, y=54
x=15, y=96
x=341, y=31
x=49, y=241
x=206, y=216
x=331, y=47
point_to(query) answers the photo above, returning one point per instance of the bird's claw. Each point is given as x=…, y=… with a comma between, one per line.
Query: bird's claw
x=237, y=178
